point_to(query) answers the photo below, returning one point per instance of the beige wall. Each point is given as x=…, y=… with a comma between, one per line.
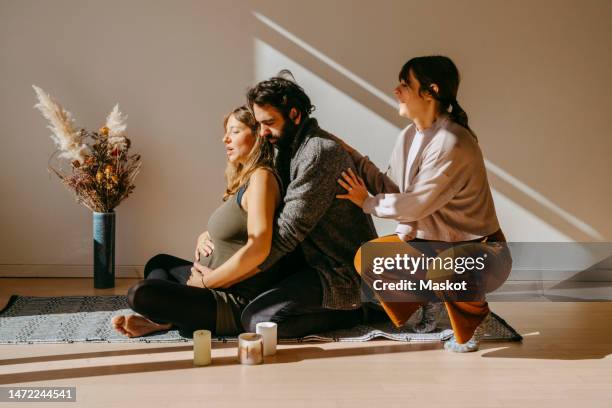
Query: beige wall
x=535, y=84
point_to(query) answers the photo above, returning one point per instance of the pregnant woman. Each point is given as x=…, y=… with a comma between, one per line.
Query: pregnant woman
x=443, y=192
x=174, y=293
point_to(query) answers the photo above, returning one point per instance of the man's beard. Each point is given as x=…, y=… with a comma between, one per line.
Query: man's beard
x=283, y=149
x=287, y=135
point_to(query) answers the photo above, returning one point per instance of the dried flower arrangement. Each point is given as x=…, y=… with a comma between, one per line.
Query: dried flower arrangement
x=100, y=172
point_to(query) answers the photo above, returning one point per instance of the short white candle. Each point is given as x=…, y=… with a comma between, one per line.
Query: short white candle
x=250, y=348
x=268, y=331
x=201, y=348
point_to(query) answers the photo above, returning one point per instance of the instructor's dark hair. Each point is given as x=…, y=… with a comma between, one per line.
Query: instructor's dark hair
x=439, y=70
x=281, y=93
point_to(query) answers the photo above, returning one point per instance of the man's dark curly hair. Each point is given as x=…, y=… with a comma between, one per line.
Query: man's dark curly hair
x=282, y=94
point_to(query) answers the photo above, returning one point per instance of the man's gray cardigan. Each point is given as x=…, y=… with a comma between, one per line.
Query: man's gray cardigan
x=329, y=230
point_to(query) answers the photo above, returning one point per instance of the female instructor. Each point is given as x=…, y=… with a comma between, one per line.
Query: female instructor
x=436, y=185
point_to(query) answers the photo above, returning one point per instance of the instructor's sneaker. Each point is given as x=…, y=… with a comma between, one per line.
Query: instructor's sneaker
x=452, y=345
x=471, y=344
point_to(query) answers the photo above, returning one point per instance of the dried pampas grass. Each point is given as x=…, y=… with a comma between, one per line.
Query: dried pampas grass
x=101, y=173
x=61, y=123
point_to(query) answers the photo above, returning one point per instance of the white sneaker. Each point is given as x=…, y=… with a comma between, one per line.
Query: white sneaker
x=472, y=344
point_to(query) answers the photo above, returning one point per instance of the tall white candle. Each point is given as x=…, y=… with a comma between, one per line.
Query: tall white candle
x=250, y=348
x=201, y=348
x=268, y=331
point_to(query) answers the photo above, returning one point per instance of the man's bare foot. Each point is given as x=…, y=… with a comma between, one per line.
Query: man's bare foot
x=136, y=325
x=118, y=323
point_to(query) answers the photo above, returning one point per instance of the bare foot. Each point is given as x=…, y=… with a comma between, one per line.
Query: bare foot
x=118, y=323
x=136, y=326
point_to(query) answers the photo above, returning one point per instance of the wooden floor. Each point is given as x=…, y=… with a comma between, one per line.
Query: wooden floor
x=563, y=361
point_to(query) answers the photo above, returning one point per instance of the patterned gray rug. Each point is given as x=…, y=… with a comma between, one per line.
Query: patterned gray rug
x=68, y=319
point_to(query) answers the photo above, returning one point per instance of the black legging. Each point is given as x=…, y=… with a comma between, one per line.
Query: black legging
x=164, y=297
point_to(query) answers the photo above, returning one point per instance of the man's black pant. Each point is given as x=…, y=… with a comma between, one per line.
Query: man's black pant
x=295, y=305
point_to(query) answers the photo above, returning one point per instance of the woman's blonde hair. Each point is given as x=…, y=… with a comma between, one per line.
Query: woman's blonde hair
x=260, y=156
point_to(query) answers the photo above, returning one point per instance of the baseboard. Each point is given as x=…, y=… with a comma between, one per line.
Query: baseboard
x=552, y=291
x=65, y=271
x=553, y=275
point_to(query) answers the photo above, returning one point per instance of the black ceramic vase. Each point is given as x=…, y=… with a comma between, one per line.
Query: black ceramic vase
x=104, y=250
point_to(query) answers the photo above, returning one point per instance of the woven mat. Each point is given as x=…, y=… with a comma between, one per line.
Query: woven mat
x=68, y=319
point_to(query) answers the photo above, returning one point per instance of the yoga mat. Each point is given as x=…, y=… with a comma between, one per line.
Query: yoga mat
x=69, y=319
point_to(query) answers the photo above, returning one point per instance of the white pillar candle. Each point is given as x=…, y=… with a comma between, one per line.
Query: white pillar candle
x=250, y=348
x=201, y=348
x=268, y=331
